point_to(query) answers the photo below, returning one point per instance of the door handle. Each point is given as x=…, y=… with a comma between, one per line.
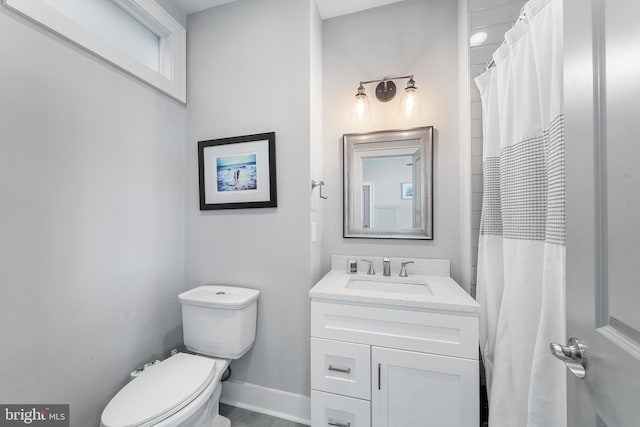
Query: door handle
x=574, y=355
x=337, y=424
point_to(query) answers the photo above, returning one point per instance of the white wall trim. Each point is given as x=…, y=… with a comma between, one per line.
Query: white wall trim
x=269, y=401
x=464, y=106
x=171, y=79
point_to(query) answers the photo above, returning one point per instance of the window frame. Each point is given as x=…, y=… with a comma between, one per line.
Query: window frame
x=171, y=75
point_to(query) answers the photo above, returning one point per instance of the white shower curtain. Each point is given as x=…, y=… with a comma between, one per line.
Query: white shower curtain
x=521, y=262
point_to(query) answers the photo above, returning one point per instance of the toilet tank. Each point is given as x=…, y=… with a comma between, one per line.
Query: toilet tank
x=219, y=321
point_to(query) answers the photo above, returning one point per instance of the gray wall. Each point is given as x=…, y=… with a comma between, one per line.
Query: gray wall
x=249, y=68
x=91, y=223
x=412, y=37
x=494, y=17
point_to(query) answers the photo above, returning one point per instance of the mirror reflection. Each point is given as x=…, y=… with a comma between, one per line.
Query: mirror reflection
x=388, y=184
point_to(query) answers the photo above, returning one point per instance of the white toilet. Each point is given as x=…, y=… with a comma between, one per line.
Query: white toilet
x=219, y=323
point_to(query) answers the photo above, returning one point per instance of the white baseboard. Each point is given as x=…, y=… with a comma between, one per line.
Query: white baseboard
x=269, y=401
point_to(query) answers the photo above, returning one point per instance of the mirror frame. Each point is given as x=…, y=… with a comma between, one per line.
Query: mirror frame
x=425, y=136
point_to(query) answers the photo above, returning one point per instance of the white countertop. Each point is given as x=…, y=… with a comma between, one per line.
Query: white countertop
x=447, y=295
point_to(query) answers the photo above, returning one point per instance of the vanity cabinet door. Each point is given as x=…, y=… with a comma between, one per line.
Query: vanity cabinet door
x=412, y=389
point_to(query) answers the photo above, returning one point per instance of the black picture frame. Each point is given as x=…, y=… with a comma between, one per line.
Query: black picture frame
x=250, y=186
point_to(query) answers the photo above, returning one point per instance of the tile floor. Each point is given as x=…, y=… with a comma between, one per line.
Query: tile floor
x=243, y=418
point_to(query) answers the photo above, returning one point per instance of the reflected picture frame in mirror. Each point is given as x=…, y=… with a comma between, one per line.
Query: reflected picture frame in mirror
x=363, y=215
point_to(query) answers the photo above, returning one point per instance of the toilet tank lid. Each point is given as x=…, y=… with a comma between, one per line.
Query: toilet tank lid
x=224, y=297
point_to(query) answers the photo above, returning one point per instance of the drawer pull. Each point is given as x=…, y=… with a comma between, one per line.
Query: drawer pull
x=343, y=370
x=337, y=424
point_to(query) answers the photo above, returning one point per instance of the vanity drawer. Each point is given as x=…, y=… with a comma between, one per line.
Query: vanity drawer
x=426, y=332
x=341, y=367
x=331, y=410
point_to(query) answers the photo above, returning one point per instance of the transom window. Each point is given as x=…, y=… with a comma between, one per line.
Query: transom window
x=137, y=36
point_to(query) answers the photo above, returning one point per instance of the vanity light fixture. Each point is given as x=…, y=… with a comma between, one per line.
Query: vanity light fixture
x=385, y=92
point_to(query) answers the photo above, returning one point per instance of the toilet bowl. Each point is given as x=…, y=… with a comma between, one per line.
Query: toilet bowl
x=219, y=323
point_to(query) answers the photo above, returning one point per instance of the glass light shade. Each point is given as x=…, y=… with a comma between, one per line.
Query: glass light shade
x=361, y=112
x=409, y=103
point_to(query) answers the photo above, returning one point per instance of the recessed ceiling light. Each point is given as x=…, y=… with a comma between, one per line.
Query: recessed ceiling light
x=478, y=38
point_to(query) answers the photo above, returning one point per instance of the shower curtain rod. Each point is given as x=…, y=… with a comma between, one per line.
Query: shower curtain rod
x=521, y=17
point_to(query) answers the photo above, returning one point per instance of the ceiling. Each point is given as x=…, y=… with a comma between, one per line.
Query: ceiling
x=193, y=6
x=332, y=8
x=327, y=8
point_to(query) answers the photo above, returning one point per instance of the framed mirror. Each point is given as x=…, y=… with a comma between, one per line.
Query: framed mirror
x=388, y=184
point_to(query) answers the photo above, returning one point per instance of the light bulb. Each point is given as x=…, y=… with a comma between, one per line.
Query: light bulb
x=409, y=101
x=361, y=107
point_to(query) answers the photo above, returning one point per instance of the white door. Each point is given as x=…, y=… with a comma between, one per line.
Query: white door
x=602, y=95
x=367, y=205
x=412, y=389
x=416, y=167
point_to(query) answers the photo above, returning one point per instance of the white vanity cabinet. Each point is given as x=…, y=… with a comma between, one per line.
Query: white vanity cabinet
x=420, y=389
x=378, y=366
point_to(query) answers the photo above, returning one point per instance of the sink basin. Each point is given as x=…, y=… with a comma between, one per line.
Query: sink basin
x=396, y=287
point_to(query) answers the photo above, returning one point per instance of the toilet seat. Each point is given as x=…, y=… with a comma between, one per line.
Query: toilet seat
x=163, y=390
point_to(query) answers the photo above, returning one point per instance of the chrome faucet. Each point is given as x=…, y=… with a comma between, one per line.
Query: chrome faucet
x=371, y=271
x=403, y=269
x=386, y=266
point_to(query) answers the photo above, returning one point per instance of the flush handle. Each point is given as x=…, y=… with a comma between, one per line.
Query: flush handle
x=574, y=355
x=337, y=369
x=337, y=424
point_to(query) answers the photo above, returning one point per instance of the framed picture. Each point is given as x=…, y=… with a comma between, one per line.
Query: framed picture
x=238, y=172
x=407, y=190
